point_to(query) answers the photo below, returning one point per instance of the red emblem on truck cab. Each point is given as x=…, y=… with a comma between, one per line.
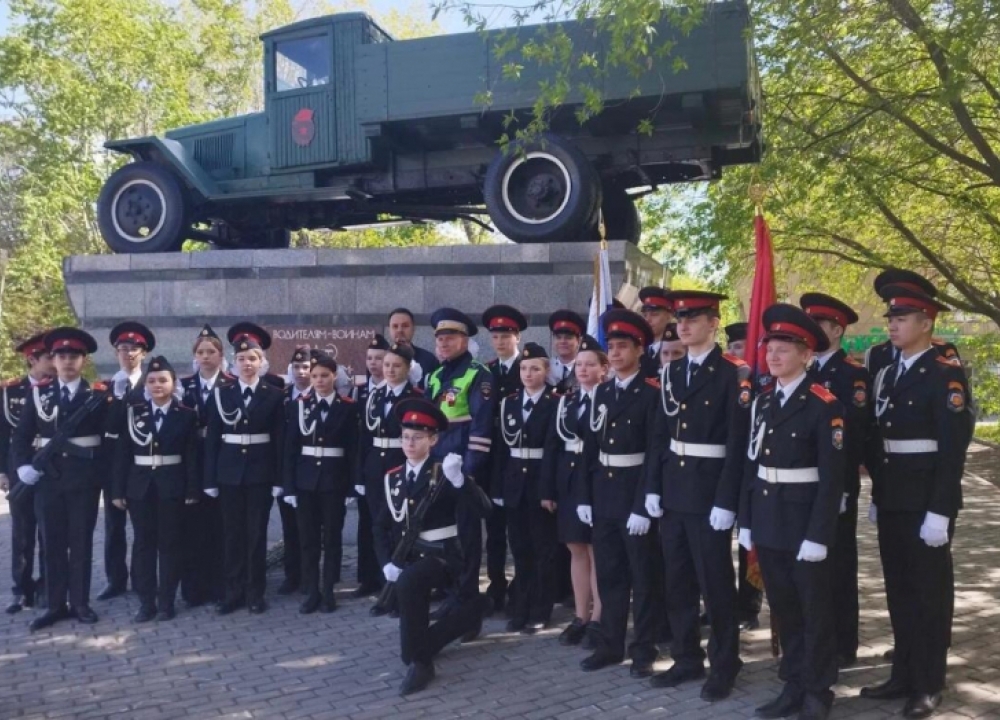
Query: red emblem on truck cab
x=303, y=127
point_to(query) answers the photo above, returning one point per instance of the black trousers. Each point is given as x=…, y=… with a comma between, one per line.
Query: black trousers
x=699, y=564
x=157, y=551
x=245, y=511
x=748, y=598
x=203, y=540
x=801, y=599
x=496, y=552
x=469, y=519
x=419, y=640
x=67, y=520
x=24, y=530
x=321, y=526
x=844, y=554
x=919, y=587
x=369, y=571
x=532, y=533
x=116, y=569
x=626, y=566
x=292, y=562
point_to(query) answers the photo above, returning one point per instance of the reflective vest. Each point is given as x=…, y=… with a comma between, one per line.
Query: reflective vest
x=455, y=401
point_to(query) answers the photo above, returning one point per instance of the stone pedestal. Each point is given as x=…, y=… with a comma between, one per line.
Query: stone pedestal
x=175, y=293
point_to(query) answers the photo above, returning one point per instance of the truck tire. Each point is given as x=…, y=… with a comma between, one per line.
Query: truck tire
x=143, y=208
x=545, y=191
x=621, y=218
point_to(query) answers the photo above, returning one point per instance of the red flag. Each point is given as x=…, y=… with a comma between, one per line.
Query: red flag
x=762, y=296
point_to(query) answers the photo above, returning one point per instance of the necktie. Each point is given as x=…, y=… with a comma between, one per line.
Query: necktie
x=65, y=398
x=565, y=372
x=619, y=389
x=411, y=477
x=584, y=405
x=390, y=398
x=902, y=370
x=205, y=390
x=247, y=395
x=158, y=418
x=528, y=406
x=780, y=397
x=324, y=406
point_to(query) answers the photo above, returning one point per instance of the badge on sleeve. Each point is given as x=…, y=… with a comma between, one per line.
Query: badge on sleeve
x=486, y=389
x=744, y=398
x=837, y=425
x=956, y=397
x=860, y=394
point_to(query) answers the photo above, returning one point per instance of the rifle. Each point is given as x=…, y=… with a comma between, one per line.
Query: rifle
x=411, y=533
x=43, y=461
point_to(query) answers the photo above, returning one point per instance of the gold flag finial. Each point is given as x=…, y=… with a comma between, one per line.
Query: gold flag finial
x=757, y=191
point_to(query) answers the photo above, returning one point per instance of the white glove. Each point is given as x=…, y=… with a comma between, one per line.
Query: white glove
x=498, y=502
x=843, y=503
x=744, y=539
x=934, y=531
x=811, y=552
x=721, y=519
x=212, y=492
x=28, y=474
x=585, y=514
x=872, y=514
x=290, y=499
x=653, y=505
x=360, y=490
x=637, y=524
x=277, y=492
x=452, y=467
x=392, y=572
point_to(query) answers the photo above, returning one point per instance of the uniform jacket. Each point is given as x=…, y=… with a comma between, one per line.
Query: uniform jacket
x=77, y=470
x=138, y=436
x=622, y=426
x=306, y=428
x=519, y=481
x=713, y=410
x=375, y=462
x=807, y=432
x=884, y=355
x=473, y=438
x=14, y=396
x=570, y=482
x=193, y=397
x=650, y=361
x=930, y=401
x=848, y=381
x=240, y=465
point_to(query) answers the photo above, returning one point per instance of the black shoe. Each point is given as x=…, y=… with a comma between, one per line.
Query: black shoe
x=41, y=599
x=751, y=624
x=592, y=636
x=363, y=591
x=787, y=703
x=922, y=705
x=329, y=604
x=676, y=675
x=84, y=614
x=16, y=605
x=641, y=669
x=717, y=687
x=574, y=633
x=889, y=690
x=193, y=603
x=310, y=604
x=111, y=591
x=598, y=661
x=418, y=676
x=516, y=625
x=257, y=607
x=288, y=586
x=227, y=607
x=845, y=660
x=166, y=614
x=814, y=709
x=476, y=630
x=145, y=614
x=438, y=594
x=531, y=627
x=49, y=619
x=377, y=610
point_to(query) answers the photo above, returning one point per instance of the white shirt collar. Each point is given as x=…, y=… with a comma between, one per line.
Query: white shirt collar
x=135, y=377
x=33, y=381
x=415, y=468
x=700, y=359
x=907, y=363
x=821, y=360
x=73, y=386
x=372, y=385
x=623, y=383
x=296, y=392
x=209, y=383
x=156, y=407
x=509, y=361
x=244, y=386
x=791, y=387
x=329, y=398
x=396, y=390
x=533, y=398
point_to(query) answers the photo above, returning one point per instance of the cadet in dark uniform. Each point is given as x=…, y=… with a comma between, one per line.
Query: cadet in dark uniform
x=155, y=473
x=132, y=341
x=202, y=576
x=622, y=456
x=921, y=409
x=848, y=381
x=794, y=483
x=463, y=389
x=524, y=481
x=436, y=560
x=705, y=401
x=381, y=446
x=658, y=312
x=243, y=466
x=567, y=328
x=671, y=347
x=320, y=442
x=66, y=505
x=26, y=591
x=505, y=325
x=401, y=330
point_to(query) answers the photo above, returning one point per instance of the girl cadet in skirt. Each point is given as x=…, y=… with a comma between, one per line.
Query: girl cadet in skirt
x=590, y=368
x=242, y=466
x=155, y=474
x=523, y=486
x=320, y=442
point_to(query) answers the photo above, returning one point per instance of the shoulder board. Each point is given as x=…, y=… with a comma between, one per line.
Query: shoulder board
x=851, y=361
x=734, y=360
x=302, y=398
x=228, y=375
x=937, y=341
x=822, y=393
x=45, y=381
x=346, y=399
x=514, y=394
x=653, y=382
x=11, y=382
x=182, y=406
x=418, y=391
x=767, y=388
x=390, y=471
x=492, y=363
x=99, y=386
x=952, y=361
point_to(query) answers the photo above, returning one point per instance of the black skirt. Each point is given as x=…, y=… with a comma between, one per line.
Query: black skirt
x=568, y=477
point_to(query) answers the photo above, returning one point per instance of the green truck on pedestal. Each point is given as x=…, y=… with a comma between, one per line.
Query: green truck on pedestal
x=361, y=130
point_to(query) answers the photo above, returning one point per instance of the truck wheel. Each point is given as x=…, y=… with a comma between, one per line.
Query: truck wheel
x=143, y=208
x=546, y=191
x=621, y=218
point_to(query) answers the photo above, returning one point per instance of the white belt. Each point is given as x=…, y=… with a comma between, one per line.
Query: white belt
x=251, y=439
x=387, y=443
x=699, y=450
x=321, y=452
x=157, y=460
x=574, y=446
x=527, y=453
x=621, y=461
x=788, y=475
x=86, y=441
x=440, y=533
x=909, y=447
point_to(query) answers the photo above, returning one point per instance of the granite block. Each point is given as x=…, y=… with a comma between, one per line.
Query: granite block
x=161, y=261
x=285, y=257
x=323, y=295
x=255, y=297
x=222, y=259
x=382, y=294
x=524, y=253
x=475, y=254
x=349, y=256
x=470, y=294
x=114, y=300
x=534, y=293
x=90, y=263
